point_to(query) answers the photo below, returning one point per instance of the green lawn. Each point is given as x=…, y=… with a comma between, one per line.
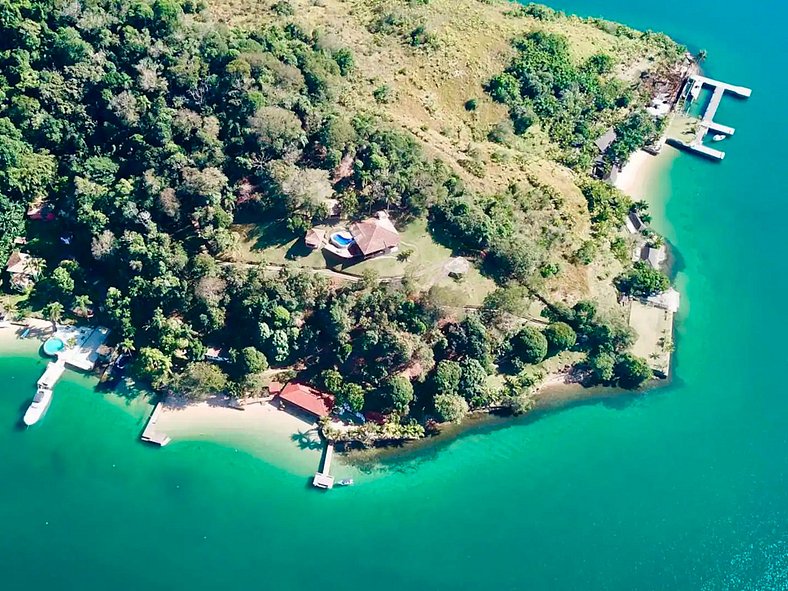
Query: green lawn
x=272, y=244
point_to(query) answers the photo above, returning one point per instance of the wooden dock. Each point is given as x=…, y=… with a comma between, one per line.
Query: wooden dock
x=323, y=478
x=707, y=124
x=150, y=434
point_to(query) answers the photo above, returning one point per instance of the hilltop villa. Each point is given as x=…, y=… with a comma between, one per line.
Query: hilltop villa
x=362, y=240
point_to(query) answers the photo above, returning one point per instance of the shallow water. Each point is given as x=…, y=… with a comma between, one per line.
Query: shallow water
x=683, y=489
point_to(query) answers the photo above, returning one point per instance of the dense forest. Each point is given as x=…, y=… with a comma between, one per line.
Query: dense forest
x=574, y=102
x=146, y=128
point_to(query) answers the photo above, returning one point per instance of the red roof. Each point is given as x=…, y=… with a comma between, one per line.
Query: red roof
x=307, y=398
x=375, y=234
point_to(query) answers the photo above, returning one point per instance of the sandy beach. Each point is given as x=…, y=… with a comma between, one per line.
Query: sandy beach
x=640, y=173
x=11, y=334
x=260, y=428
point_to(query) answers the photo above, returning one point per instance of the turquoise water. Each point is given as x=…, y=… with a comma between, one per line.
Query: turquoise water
x=684, y=489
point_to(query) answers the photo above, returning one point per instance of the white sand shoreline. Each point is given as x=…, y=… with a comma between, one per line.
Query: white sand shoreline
x=11, y=334
x=638, y=177
x=261, y=428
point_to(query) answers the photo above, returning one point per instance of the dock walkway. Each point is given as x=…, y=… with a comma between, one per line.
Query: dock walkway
x=323, y=478
x=707, y=123
x=51, y=374
x=151, y=434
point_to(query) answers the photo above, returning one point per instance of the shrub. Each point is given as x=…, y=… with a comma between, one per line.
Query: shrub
x=383, y=94
x=632, y=371
x=529, y=345
x=560, y=337
x=643, y=281
x=451, y=407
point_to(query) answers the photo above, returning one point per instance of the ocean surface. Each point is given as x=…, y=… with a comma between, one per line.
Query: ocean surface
x=682, y=489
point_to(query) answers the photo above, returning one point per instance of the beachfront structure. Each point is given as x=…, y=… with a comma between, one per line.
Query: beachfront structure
x=653, y=256
x=633, y=223
x=23, y=270
x=51, y=374
x=80, y=348
x=307, y=399
x=151, y=434
x=669, y=300
x=604, y=141
x=323, y=478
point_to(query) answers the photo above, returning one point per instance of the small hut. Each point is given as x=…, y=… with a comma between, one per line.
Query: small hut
x=314, y=238
x=23, y=270
x=458, y=267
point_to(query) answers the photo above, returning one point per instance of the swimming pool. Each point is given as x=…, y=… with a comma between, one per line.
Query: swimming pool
x=53, y=346
x=342, y=239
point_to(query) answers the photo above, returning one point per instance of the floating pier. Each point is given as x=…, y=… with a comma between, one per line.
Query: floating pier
x=51, y=374
x=151, y=434
x=323, y=478
x=707, y=123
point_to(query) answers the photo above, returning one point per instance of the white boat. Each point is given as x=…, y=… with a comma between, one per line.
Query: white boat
x=38, y=407
x=345, y=482
x=719, y=137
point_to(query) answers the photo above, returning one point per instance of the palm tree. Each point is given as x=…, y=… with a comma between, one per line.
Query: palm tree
x=126, y=346
x=82, y=305
x=36, y=267
x=54, y=312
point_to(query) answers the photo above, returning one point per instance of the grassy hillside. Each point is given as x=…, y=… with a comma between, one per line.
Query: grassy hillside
x=430, y=57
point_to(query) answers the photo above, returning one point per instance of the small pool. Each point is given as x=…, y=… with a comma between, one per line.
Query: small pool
x=342, y=239
x=53, y=346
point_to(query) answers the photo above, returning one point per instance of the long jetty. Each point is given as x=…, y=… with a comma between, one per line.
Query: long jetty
x=323, y=478
x=151, y=434
x=707, y=123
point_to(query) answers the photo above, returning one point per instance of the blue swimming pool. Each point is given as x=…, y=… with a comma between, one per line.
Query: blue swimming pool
x=53, y=346
x=342, y=239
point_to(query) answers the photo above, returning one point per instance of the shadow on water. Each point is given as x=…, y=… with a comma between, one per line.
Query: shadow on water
x=409, y=456
x=675, y=263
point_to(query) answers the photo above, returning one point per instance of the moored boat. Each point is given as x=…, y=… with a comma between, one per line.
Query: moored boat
x=719, y=137
x=345, y=482
x=38, y=407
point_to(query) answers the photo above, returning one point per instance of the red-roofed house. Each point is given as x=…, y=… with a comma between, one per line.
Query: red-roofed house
x=308, y=399
x=375, y=236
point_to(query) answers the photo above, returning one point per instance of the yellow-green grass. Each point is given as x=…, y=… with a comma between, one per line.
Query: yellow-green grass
x=271, y=244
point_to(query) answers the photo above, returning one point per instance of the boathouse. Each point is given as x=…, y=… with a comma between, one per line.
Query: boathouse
x=305, y=398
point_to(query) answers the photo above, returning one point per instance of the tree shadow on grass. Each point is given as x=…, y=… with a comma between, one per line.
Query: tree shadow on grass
x=298, y=250
x=271, y=234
